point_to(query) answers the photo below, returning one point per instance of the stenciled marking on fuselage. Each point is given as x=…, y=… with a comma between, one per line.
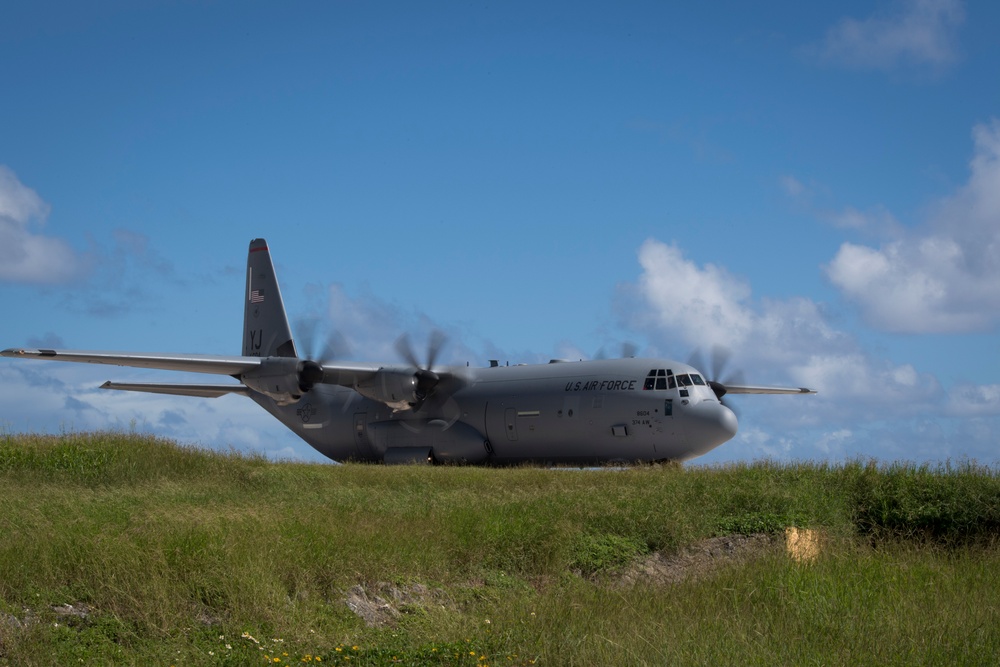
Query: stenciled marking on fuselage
x=602, y=385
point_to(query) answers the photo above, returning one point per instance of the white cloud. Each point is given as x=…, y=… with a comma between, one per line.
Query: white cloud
x=945, y=277
x=834, y=442
x=25, y=255
x=788, y=342
x=877, y=220
x=792, y=186
x=867, y=406
x=916, y=32
x=969, y=400
x=756, y=443
x=706, y=306
x=44, y=397
x=369, y=328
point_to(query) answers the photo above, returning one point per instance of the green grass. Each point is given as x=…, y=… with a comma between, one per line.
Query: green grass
x=179, y=556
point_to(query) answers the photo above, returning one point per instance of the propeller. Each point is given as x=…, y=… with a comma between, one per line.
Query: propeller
x=721, y=357
x=427, y=379
x=311, y=367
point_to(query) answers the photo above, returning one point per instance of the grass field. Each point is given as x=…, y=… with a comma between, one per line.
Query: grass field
x=124, y=549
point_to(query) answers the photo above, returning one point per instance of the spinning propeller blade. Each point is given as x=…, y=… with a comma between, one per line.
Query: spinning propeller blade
x=720, y=359
x=427, y=379
x=311, y=368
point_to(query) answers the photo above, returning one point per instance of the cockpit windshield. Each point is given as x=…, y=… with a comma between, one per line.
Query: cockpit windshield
x=686, y=380
x=660, y=378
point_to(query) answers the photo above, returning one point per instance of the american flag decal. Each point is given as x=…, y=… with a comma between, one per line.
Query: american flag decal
x=257, y=296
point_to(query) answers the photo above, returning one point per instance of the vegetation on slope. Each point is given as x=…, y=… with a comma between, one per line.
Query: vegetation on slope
x=125, y=549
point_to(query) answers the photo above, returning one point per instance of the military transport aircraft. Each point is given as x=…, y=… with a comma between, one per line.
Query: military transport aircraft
x=580, y=412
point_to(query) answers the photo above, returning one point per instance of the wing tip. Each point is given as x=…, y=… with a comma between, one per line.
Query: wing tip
x=22, y=352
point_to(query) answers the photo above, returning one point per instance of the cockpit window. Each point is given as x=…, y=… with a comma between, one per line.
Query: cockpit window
x=664, y=378
x=659, y=378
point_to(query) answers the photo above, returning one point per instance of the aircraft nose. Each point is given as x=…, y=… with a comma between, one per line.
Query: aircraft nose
x=709, y=425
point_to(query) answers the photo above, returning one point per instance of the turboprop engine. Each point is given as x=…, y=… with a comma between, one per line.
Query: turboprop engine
x=284, y=379
x=399, y=389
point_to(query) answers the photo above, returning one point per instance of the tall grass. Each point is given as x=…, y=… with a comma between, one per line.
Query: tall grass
x=170, y=555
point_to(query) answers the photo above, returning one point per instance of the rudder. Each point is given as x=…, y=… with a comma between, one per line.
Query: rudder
x=265, y=326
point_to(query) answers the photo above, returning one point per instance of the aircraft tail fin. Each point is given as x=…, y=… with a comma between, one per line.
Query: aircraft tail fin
x=265, y=326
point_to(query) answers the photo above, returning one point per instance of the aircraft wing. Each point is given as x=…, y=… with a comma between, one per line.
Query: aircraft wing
x=193, y=363
x=201, y=390
x=343, y=374
x=746, y=389
x=349, y=375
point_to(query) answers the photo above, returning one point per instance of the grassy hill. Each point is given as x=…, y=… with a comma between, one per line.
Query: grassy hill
x=125, y=549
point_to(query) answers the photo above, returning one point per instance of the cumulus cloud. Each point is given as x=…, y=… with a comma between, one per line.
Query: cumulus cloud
x=914, y=33
x=867, y=405
x=788, y=341
x=53, y=397
x=706, y=306
x=27, y=256
x=969, y=400
x=944, y=277
x=702, y=304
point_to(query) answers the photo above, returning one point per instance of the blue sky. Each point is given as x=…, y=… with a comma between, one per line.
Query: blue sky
x=814, y=187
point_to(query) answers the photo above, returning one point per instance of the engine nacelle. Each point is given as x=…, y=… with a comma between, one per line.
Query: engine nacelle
x=395, y=388
x=277, y=377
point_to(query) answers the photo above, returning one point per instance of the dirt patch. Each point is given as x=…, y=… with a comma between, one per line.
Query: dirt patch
x=698, y=560
x=383, y=604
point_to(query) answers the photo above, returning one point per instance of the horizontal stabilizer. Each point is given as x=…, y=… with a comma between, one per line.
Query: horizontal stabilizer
x=200, y=390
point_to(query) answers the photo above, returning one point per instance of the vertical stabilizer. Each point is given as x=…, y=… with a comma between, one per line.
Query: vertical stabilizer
x=265, y=325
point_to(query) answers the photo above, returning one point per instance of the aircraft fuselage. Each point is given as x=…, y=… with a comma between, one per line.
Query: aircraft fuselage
x=561, y=412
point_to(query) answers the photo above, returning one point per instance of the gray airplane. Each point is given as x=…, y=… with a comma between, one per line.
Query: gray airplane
x=579, y=412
